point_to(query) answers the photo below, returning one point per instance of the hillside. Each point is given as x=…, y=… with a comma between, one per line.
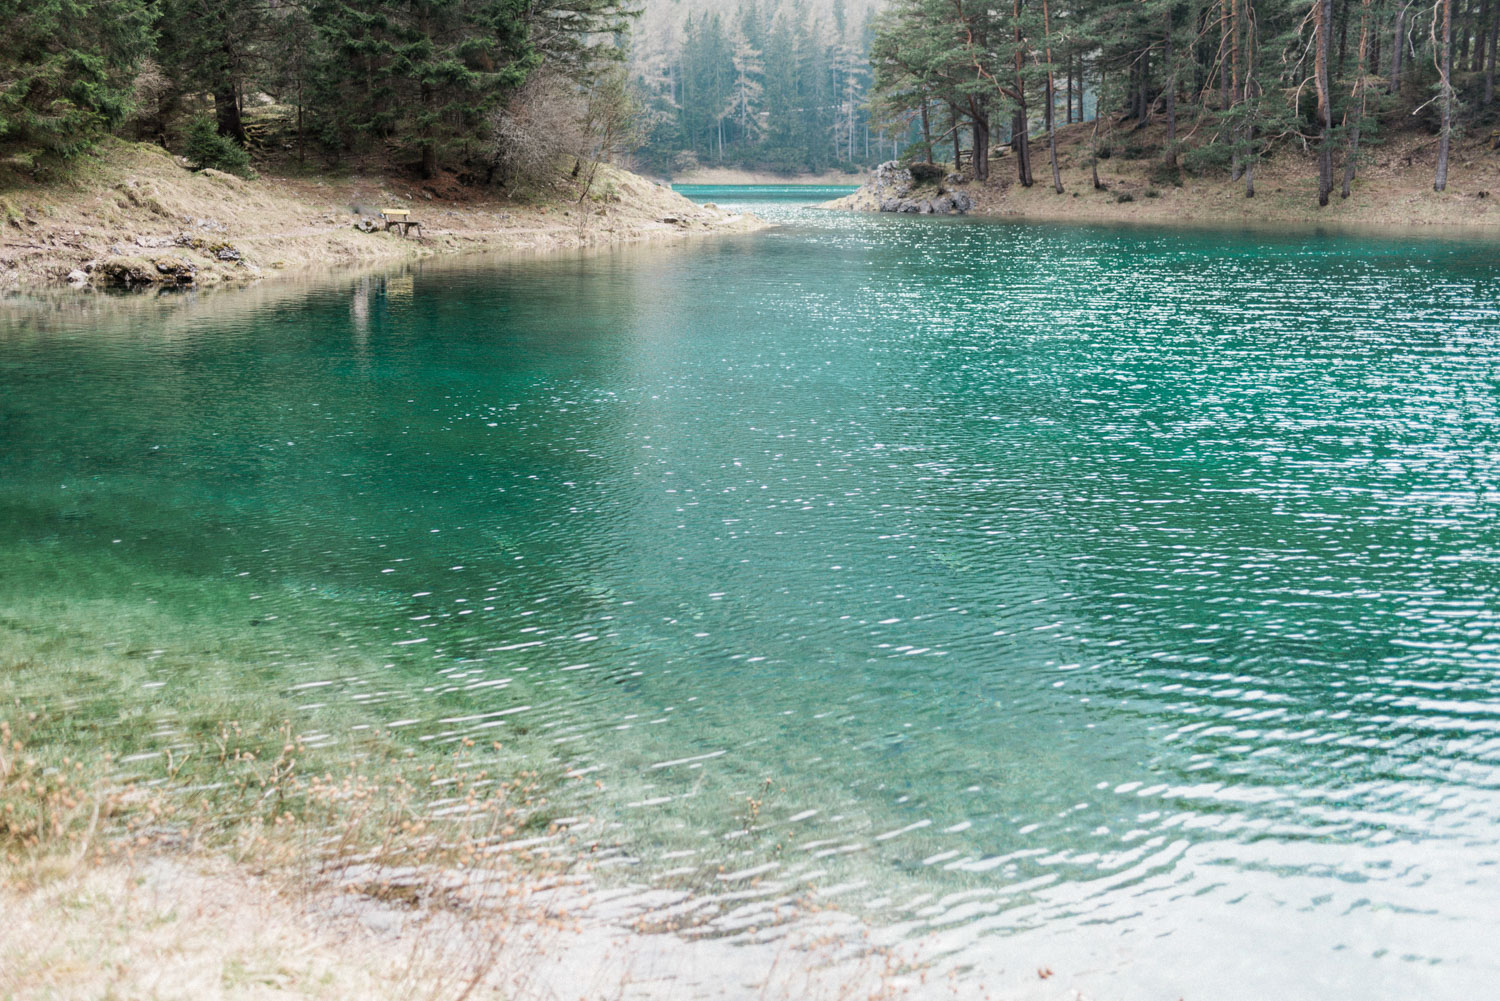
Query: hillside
x=1395, y=188
x=133, y=214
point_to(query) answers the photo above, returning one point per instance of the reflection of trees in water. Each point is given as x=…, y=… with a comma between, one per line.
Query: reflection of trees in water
x=359, y=315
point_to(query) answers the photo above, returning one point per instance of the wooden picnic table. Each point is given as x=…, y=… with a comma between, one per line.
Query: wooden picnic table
x=401, y=221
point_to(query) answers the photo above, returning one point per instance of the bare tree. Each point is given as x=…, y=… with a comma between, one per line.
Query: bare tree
x=532, y=136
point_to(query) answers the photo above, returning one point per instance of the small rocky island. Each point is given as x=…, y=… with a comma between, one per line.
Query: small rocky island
x=916, y=188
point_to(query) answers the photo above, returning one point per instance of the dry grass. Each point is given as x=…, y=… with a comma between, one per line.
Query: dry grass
x=162, y=929
x=133, y=204
x=236, y=867
x=174, y=928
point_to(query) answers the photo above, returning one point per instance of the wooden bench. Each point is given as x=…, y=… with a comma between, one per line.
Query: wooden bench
x=401, y=221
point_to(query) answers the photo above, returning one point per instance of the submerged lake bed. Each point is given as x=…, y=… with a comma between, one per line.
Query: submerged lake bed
x=1123, y=602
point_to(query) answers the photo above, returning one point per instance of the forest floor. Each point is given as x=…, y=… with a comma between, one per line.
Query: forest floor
x=133, y=214
x=1393, y=188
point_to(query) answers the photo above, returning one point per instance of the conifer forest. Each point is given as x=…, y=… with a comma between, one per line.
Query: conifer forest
x=764, y=84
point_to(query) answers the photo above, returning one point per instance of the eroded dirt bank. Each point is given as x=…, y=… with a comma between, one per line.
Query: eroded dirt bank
x=134, y=215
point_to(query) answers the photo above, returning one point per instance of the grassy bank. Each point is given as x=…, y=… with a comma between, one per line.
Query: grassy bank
x=132, y=214
x=1393, y=189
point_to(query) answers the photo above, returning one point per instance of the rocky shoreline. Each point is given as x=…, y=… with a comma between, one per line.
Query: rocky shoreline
x=913, y=189
x=135, y=217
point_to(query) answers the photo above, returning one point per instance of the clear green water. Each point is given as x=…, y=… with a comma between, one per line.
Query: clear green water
x=764, y=194
x=1127, y=600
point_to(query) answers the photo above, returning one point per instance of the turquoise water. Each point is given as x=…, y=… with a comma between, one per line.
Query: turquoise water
x=1126, y=600
x=764, y=194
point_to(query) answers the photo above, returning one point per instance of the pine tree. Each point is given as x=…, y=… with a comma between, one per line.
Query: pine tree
x=422, y=73
x=66, y=68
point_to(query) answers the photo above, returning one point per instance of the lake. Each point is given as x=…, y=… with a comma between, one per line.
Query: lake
x=1121, y=599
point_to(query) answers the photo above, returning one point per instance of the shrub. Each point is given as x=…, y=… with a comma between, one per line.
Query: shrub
x=1162, y=173
x=1124, y=197
x=1152, y=193
x=205, y=148
x=926, y=173
x=539, y=135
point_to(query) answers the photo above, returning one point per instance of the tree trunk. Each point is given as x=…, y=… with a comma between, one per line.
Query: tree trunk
x=1019, y=125
x=1068, y=94
x=1398, y=50
x=429, y=144
x=1446, y=82
x=1171, y=55
x=1079, y=57
x=227, y=99
x=1489, y=61
x=926, y=134
x=1144, y=118
x=1461, y=38
x=1057, y=184
x=1094, y=141
x=227, y=111
x=957, y=148
x=1234, y=51
x=1362, y=70
x=1021, y=143
x=1236, y=161
x=1481, y=37
x=981, y=153
x=1224, y=47
x=1248, y=96
x=1249, y=161
x=1322, y=18
x=1341, y=19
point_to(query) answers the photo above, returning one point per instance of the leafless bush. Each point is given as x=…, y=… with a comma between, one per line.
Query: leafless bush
x=537, y=136
x=614, y=125
x=152, y=99
x=552, y=129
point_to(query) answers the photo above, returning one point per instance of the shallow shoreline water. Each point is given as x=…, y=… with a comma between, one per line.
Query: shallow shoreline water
x=1053, y=595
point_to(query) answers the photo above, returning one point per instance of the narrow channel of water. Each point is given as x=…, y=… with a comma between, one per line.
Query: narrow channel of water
x=1127, y=597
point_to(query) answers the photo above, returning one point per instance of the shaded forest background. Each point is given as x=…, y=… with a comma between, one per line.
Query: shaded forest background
x=504, y=91
x=761, y=84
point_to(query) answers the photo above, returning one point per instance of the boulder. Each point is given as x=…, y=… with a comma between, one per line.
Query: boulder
x=175, y=270
x=127, y=271
x=76, y=277
x=891, y=185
